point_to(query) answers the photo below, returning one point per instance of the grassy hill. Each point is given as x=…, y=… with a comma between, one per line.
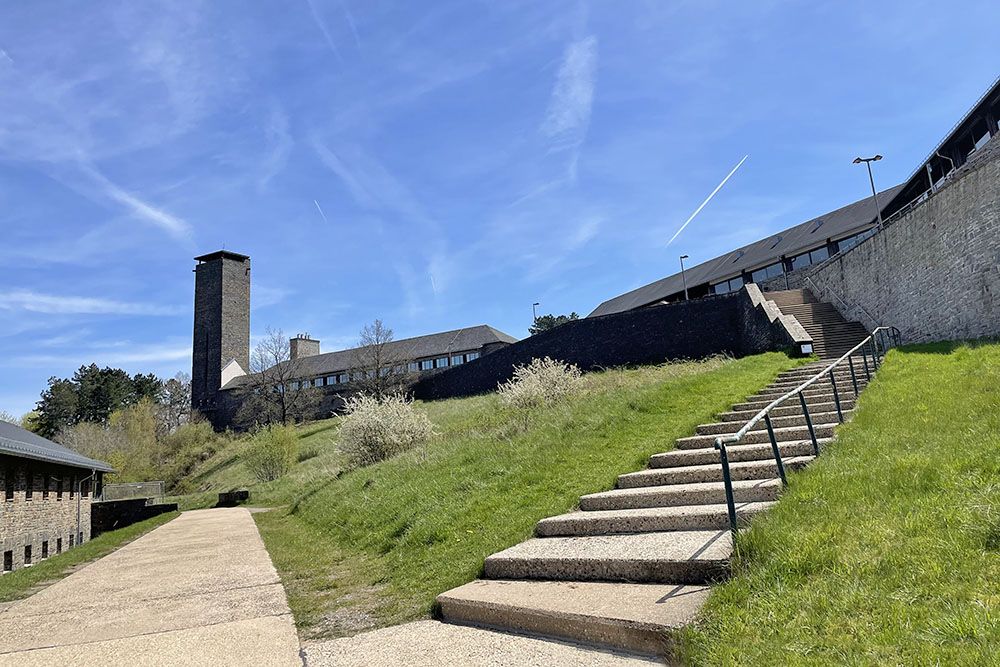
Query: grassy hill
x=374, y=546
x=886, y=550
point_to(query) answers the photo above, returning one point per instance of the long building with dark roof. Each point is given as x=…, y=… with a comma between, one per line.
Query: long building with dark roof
x=786, y=251
x=779, y=255
x=47, y=494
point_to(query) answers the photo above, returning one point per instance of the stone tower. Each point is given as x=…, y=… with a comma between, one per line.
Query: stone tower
x=221, y=326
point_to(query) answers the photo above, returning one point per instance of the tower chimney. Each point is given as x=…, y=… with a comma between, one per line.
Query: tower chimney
x=221, y=325
x=303, y=346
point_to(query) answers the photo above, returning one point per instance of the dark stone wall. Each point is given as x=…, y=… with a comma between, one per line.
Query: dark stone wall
x=114, y=514
x=221, y=328
x=685, y=330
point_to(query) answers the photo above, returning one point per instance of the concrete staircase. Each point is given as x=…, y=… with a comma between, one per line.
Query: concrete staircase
x=832, y=335
x=635, y=563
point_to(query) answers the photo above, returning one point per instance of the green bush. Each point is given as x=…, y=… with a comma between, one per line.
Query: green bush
x=271, y=452
x=184, y=449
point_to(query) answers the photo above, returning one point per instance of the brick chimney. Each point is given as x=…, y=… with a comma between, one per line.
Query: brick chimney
x=303, y=346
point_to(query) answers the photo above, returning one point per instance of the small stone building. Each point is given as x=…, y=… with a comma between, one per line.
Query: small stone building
x=47, y=491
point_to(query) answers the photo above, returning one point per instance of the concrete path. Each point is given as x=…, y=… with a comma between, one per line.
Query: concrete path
x=430, y=644
x=200, y=590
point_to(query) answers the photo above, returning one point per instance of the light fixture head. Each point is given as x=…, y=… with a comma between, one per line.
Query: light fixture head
x=684, y=256
x=858, y=160
x=877, y=158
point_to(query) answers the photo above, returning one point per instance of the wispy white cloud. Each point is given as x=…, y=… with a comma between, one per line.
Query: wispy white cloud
x=52, y=304
x=321, y=24
x=141, y=354
x=176, y=227
x=263, y=296
x=349, y=17
x=279, y=138
x=568, y=114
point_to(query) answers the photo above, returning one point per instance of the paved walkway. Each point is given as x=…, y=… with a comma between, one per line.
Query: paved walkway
x=431, y=644
x=200, y=590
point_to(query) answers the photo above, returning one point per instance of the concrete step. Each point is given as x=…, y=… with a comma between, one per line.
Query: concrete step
x=791, y=297
x=701, y=493
x=645, y=520
x=711, y=472
x=842, y=378
x=724, y=427
x=815, y=389
x=757, y=452
x=759, y=402
x=680, y=557
x=785, y=410
x=638, y=618
x=786, y=434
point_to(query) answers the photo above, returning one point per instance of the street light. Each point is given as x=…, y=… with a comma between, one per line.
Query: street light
x=684, y=278
x=534, y=312
x=868, y=163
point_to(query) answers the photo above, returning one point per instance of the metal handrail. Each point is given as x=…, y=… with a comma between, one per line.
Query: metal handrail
x=722, y=442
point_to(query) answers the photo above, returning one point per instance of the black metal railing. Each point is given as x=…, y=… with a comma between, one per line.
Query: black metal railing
x=874, y=347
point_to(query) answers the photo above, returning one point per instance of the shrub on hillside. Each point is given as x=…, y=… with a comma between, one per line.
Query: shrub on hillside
x=271, y=452
x=187, y=446
x=373, y=430
x=542, y=382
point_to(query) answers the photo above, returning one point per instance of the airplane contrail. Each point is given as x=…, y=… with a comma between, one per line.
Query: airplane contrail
x=707, y=199
x=318, y=208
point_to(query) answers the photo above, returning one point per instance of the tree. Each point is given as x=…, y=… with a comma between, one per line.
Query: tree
x=57, y=407
x=92, y=395
x=380, y=369
x=273, y=391
x=9, y=418
x=546, y=322
x=175, y=404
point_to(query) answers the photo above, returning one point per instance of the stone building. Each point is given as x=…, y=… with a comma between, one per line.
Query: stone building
x=221, y=348
x=47, y=493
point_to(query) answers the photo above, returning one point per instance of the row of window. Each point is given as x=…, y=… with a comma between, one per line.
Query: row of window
x=8, y=556
x=412, y=367
x=798, y=262
x=50, y=483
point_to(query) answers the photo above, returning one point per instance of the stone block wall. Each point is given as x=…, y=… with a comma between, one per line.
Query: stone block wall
x=934, y=273
x=723, y=324
x=45, y=518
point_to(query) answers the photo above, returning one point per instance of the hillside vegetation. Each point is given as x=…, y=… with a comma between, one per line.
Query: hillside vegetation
x=375, y=545
x=886, y=550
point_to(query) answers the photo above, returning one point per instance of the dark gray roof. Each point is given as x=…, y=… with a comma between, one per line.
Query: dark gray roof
x=430, y=345
x=222, y=254
x=17, y=441
x=835, y=225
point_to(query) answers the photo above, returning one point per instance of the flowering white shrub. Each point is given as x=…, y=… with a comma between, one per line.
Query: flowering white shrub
x=373, y=430
x=542, y=382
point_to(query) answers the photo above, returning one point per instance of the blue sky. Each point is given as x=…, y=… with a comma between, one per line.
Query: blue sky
x=434, y=164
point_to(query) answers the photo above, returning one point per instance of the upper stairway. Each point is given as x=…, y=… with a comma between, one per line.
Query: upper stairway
x=832, y=335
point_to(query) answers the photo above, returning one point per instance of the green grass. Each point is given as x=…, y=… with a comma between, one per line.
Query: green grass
x=885, y=551
x=374, y=546
x=25, y=581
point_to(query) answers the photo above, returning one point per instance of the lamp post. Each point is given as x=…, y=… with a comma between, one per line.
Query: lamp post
x=871, y=179
x=79, y=500
x=534, y=312
x=684, y=278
